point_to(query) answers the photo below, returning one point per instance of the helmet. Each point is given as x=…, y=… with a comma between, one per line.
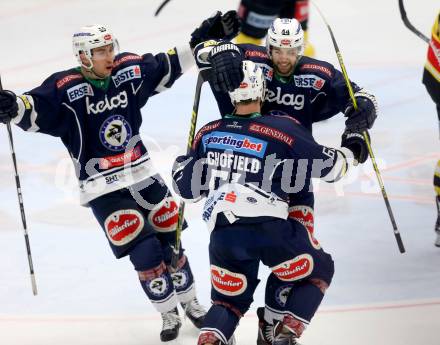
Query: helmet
x=89, y=37
x=252, y=86
x=285, y=33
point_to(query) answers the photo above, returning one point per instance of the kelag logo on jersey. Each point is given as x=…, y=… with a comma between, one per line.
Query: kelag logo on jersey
x=297, y=101
x=120, y=100
x=126, y=74
x=115, y=133
x=309, y=80
x=235, y=142
x=79, y=91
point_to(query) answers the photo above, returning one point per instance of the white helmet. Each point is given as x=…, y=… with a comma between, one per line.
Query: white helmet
x=285, y=33
x=252, y=86
x=90, y=37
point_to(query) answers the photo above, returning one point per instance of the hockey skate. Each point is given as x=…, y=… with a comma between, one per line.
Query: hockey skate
x=195, y=312
x=265, y=329
x=437, y=223
x=170, y=325
x=283, y=335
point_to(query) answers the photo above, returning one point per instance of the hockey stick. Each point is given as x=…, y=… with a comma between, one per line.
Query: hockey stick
x=159, y=9
x=408, y=24
x=20, y=202
x=192, y=130
x=370, y=151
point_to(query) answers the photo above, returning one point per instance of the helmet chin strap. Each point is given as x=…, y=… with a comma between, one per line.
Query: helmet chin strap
x=96, y=75
x=90, y=71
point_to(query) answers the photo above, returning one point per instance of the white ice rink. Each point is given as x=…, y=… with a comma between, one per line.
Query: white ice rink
x=86, y=297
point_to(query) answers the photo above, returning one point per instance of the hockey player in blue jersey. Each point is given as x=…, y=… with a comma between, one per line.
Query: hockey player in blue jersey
x=257, y=16
x=307, y=89
x=248, y=166
x=95, y=110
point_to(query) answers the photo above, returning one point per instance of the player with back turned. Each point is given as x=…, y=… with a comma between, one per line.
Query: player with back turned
x=307, y=89
x=248, y=166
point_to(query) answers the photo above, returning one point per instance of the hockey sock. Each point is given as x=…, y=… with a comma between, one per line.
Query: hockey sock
x=183, y=281
x=304, y=300
x=221, y=321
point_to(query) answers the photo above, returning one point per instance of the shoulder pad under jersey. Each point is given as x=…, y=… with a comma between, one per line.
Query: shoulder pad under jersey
x=126, y=59
x=205, y=129
x=65, y=79
x=254, y=53
x=318, y=67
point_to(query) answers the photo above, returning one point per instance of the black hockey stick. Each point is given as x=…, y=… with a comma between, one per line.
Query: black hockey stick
x=159, y=9
x=20, y=202
x=370, y=151
x=408, y=24
x=192, y=131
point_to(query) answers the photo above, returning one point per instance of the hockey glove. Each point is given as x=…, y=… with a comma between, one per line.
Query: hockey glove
x=363, y=118
x=8, y=106
x=218, y=27
x=355, y=142
x=226, y=72
x=178, y=166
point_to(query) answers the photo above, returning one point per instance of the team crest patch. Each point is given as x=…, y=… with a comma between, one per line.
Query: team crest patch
x=158, y=286
x=180, y=279
x=115, y=133
x=226, y=282
x=282, y=294
x=123, y=226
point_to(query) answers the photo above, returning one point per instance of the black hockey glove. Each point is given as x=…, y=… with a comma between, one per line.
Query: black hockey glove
x=178, y=166
x=363, y=118
x=226, y=71
x=8, y=106
x=355, y=142
x=218, y=27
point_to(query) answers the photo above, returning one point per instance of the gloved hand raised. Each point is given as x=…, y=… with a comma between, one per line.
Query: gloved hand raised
x=226, y=72
x=217, y=27
x=8, y=106
x=363, y=117
x=355, y=142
